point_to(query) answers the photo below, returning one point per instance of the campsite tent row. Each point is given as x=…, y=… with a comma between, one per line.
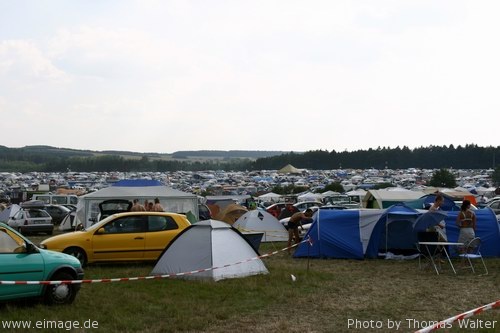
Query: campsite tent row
x=364, y=233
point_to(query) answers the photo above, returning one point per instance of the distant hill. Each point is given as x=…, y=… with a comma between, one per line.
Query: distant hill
x=225, y=154
x=182, y=155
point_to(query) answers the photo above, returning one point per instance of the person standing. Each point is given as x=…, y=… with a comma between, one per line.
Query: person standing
x=466, y=221
x=293, y=226
x=440, y=227
x=137, y=207
x=157, y=207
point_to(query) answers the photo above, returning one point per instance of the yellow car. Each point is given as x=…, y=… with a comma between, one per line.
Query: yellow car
x=131, y=236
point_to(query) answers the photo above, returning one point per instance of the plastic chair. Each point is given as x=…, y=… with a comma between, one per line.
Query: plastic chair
x=471, y=252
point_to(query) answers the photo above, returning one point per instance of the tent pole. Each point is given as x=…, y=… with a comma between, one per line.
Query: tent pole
x=319, y=240
x=386, y=233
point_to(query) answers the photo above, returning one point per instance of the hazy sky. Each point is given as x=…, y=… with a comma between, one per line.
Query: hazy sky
x=162, y=76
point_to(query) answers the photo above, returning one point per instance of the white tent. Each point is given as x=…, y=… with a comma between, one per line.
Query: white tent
x=68, y=223
x=172, y=200
x=310, y=196
x=329, y=194
x=270, y=197
x=290, y=169
x=261, y=221
x=8, y=212
x=210, y=244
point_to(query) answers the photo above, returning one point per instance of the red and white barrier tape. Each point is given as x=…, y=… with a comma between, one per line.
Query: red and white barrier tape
x=151, y=277
x=447, y=322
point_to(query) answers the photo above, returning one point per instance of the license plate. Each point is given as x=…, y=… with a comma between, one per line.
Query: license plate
x=40, y=222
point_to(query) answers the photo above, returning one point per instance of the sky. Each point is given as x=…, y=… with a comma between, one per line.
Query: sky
x=286, y=75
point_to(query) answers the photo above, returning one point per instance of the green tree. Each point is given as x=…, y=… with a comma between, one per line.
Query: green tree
x=335, y=187
x=443, y=178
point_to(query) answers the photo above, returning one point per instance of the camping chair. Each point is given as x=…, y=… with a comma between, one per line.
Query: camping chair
x=432, y=253
x=472, y=251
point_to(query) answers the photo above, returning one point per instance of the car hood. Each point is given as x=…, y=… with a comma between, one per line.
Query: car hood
x=64, y=238
x=56, y=257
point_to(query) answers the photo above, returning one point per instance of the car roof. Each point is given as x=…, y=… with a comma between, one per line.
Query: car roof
x=33, y=204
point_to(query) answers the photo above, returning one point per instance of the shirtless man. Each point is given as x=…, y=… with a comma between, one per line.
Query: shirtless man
x=293, y=226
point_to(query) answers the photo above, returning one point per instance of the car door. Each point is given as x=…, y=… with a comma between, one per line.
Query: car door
x=122, y=238
x=496, y=207
x=18, y=265
x=161, y=230
x=17, y=220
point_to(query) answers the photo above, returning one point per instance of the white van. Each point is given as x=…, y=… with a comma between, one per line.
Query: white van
x=56, y=199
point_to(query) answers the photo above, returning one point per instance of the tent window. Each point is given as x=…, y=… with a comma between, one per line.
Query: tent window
x=159, y=223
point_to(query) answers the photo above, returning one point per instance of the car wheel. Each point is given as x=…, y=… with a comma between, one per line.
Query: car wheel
x=63, y=293
x=78, y=254
x=19, y=230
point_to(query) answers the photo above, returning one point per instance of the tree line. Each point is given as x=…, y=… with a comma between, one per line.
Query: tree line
x=49, y=159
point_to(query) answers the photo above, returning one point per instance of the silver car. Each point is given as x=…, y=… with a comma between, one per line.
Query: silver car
x=32, y=220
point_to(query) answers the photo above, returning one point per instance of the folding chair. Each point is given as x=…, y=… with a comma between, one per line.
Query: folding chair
x=472, y=251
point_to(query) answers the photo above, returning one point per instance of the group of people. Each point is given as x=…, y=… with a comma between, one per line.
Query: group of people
x=149, y=206
x=466, y=221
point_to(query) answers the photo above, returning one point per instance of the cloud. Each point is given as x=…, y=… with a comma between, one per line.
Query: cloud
x=22, y=60
x=280, y=75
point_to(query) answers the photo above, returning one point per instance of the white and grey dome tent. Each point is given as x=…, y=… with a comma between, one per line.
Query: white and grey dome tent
x=261, y=221
x=210, y=244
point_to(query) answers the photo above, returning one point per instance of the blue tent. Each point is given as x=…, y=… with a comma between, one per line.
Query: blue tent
x=359, y=234
x=137, y=183
x=487, y=228
x=427, y=200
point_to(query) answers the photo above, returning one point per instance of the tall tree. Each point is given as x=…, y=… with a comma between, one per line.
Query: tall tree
x=443, y=178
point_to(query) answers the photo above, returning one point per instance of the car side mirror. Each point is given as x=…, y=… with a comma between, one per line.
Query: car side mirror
x=100, y=231
x=25, y=248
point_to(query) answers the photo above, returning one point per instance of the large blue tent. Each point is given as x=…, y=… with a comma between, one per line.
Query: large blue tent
x=364, y=233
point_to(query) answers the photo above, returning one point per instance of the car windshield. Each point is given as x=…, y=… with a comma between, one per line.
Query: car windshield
x=99, y=224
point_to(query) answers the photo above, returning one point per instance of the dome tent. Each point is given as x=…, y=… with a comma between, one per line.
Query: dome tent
x=206, y=245
x=261, y=221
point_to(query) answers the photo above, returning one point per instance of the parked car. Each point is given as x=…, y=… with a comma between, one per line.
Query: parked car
x=32, y=218
x=57, y=212
x=130, y=236
x=495, y=205
x=275, y=209
x=23, y=261
x=303, y=205
x=112, y=206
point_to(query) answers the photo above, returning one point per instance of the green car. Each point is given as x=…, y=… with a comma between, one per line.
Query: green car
x=21, y=260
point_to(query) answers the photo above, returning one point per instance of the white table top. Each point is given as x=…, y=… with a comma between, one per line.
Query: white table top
x=440, y=243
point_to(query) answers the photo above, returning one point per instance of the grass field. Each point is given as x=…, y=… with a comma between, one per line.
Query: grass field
x=325, y=297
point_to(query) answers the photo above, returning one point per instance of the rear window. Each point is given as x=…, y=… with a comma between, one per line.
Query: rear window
x=159, y=223
x=36, y=213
